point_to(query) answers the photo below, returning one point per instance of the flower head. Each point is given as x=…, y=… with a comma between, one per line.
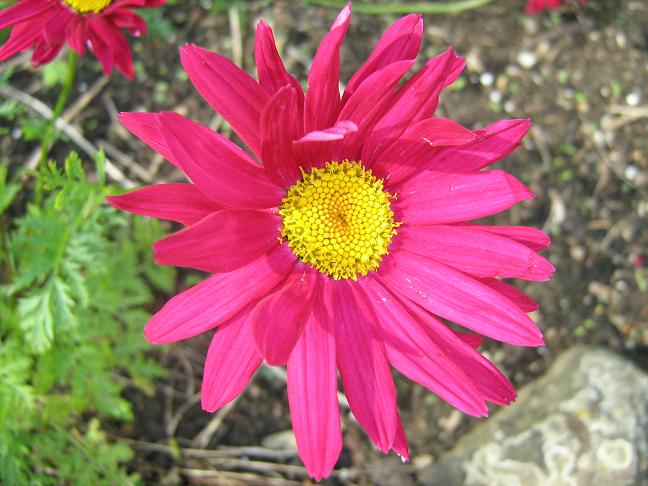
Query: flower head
x=345, y=236
x=45, y=25
x=537, y=6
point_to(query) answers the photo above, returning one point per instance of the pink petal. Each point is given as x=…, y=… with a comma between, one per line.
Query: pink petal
x=23, y=36
x=475, y=252
x=280, y=126
x=490, y=382
x=519, y=298
x=116, y=46
x=217, y=299
x=229, y=90
x=122, y=54
x=532, y=237
x=368, y=104
x=454, y=296
x=536, y=6
x=76, y=34
x=472, y=340
x=99, y=44
x=315, y=148
x=270, y=69
x=366, y=378
x=400, y=441
x=145, y=127
x=231, y=361
x=401, y=41
x=279, y=319
x=54, y=30
x=176, y=202
x=322, y=103
x=220, y=169
x=417, y=356
x=336, y=132
x=22, y=12
x=493, y=143
x=435, y=197
x=416, y=146
x=221, y=242
x=125, y=19
x=417, y=100
x=312, y=396
x=45, y=53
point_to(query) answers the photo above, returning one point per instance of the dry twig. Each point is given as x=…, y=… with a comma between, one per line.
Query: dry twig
x=79, y=140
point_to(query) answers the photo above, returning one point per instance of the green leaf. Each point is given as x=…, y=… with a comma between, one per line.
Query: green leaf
x=8, y=191
x=62, y=304
x=440, y=7
x=159, y=25
x=10, y=109
x=54, y=73
x=33, y=128
x=100, y=164
x=37, y=320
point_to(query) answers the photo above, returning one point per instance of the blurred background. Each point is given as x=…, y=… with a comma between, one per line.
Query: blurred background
x=83, y=398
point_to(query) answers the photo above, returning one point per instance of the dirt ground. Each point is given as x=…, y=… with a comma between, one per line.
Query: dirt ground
x=579, y=74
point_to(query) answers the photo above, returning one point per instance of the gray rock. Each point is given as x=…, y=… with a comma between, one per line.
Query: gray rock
x=584, y=423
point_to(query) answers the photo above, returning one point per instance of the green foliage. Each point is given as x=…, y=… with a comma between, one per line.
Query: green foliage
x=76, y=277
x=54, y=73
x=158, y=23
x=33, y=128
x=374, y=8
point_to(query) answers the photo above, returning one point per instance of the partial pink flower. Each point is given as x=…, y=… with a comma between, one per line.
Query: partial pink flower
x=343, y=237
x=537, y=6
x=45, y=25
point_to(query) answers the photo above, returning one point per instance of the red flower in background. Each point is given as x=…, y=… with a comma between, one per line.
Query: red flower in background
x=45, y=25
x=340, y=242
x=537, y=6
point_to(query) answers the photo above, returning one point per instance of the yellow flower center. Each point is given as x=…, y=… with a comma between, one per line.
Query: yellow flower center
x=338, y=219
x=87, y=6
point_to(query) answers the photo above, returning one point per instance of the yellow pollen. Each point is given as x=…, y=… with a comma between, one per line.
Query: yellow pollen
x=338, y=219
x=87, y=6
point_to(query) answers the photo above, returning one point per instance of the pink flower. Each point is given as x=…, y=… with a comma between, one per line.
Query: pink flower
x=537, y=6
x=46, y=25
x=340, y=242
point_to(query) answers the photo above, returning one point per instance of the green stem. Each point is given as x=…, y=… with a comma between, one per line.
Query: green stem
x=48, y=138
x=446, y=7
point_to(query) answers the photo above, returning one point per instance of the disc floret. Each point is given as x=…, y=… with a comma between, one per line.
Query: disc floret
x=87, y=6
x=338, y=219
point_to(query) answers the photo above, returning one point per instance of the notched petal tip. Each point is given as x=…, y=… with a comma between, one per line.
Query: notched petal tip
x=541, y=269
x=152, y=336
x=343, y=16
x=520, y=190
x=114, y=201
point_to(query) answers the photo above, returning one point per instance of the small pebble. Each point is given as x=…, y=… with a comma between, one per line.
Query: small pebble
x=527, y=59
x=487, y=79
x=621, y=40
x=496, y=96
x=633, y=98
x=631, y=172
x=621, y=285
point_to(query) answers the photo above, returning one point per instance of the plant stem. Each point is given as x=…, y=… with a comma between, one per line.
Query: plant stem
x=48, y=138
x=445, y=7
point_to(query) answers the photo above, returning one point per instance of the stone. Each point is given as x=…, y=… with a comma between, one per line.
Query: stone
x=584, y=423
x=283, y=440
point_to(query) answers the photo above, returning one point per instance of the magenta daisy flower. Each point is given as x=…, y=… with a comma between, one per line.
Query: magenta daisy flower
x=45, y=25
x=342, y=241
x=537, y=6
